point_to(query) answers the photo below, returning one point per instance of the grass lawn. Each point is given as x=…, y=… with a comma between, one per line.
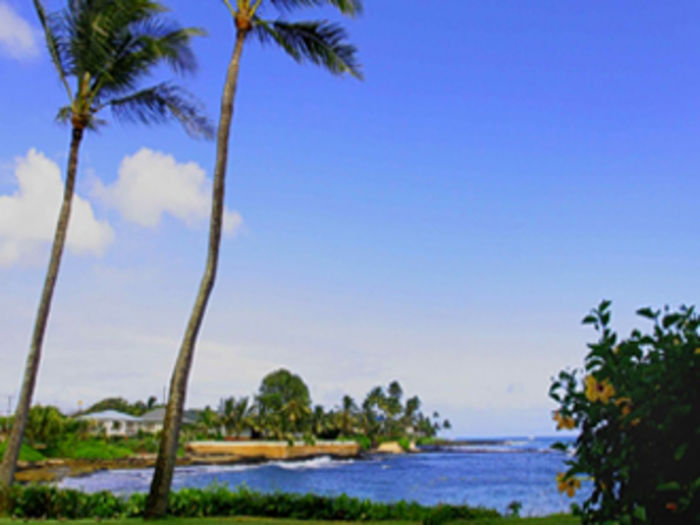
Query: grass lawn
x=549, y=520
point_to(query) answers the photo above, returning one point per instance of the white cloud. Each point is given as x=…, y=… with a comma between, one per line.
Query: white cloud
x=16, y=35
x=28, y=217
x=151, y=183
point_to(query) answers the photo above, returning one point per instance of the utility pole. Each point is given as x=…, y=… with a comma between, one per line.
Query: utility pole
x=9, y=405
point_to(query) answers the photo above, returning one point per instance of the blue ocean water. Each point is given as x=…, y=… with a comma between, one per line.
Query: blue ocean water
x=491, y=474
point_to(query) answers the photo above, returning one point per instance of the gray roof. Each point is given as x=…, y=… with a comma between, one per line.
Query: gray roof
x=154, y=416
x=158, y=414
x=109, y=415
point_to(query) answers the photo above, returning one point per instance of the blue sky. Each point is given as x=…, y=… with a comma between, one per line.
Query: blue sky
x=446, y=222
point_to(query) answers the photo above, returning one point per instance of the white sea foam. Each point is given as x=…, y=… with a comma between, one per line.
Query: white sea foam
x=314, y=463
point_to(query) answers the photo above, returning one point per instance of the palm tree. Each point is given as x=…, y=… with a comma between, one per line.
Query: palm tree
x=236, y=415
x=208, y=422
x=348, y=415
x=320, y=42
x=107, y=47
x=410, y=414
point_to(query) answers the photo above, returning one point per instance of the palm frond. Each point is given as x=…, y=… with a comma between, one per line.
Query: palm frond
x=320, y=42
x=64, y=114
x=160, y=103
x=347, y=7
x=118, y=42
x=53, y=44
x=163, y=40
x=124, y=70
x=87, y=30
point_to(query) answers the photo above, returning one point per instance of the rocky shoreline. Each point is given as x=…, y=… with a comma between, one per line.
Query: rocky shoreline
x=210, y=453
x=197, y=453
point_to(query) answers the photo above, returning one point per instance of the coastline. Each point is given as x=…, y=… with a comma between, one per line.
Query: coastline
x=225, y=453
x=196, y=453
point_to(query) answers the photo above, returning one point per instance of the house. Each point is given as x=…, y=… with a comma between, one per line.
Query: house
x=113, y=423
x=152, y=421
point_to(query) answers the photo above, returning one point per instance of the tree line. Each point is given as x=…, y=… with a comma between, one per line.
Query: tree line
x=281, y=409
x=103, y=53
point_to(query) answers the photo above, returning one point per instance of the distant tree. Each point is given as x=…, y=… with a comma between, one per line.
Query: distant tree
x=45, y=426
x=208, y=422
x=295, y=416
x=236, y=415
x=323, y=424
x=410, y=413
x=395, y=391
x=283, y=400
x=119, y=404
x=152, y=402
x=393, y=409
x=348, y=415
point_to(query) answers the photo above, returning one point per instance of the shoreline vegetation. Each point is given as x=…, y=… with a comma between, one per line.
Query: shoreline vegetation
x=228, y=453
x=219, y=502
x=278, y=423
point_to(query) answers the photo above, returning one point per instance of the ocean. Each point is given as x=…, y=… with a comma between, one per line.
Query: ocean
x=491, y=473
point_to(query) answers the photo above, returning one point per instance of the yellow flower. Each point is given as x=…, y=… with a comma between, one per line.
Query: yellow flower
x=567, y=484
x=599, y=390
x=626, y=405
x=697, y=351
x=563, y=422
x=636, y=421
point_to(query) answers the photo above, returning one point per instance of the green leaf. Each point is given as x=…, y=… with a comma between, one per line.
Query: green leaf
x=589, y=319
x=696, y=485
x=680, y=452
x=647, y=312
x=669, y=486
x=640, y=513
x=320, y=42
x=670, y=320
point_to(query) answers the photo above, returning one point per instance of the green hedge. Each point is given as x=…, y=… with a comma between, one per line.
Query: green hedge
x=41, y=501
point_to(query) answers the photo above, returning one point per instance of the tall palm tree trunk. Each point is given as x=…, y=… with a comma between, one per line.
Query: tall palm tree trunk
x=9, y=462
x=157, y=501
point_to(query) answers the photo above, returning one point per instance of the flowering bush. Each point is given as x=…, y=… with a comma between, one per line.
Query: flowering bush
x=637, y=408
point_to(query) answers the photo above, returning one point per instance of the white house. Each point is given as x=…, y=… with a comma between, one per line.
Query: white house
x=114, y=423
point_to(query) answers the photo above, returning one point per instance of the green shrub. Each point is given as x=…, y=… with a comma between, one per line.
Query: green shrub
x=26, y=453
x=405, y=443
x=364, y=442
x=41, y=501
x=638, y=413
x=92, y=448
